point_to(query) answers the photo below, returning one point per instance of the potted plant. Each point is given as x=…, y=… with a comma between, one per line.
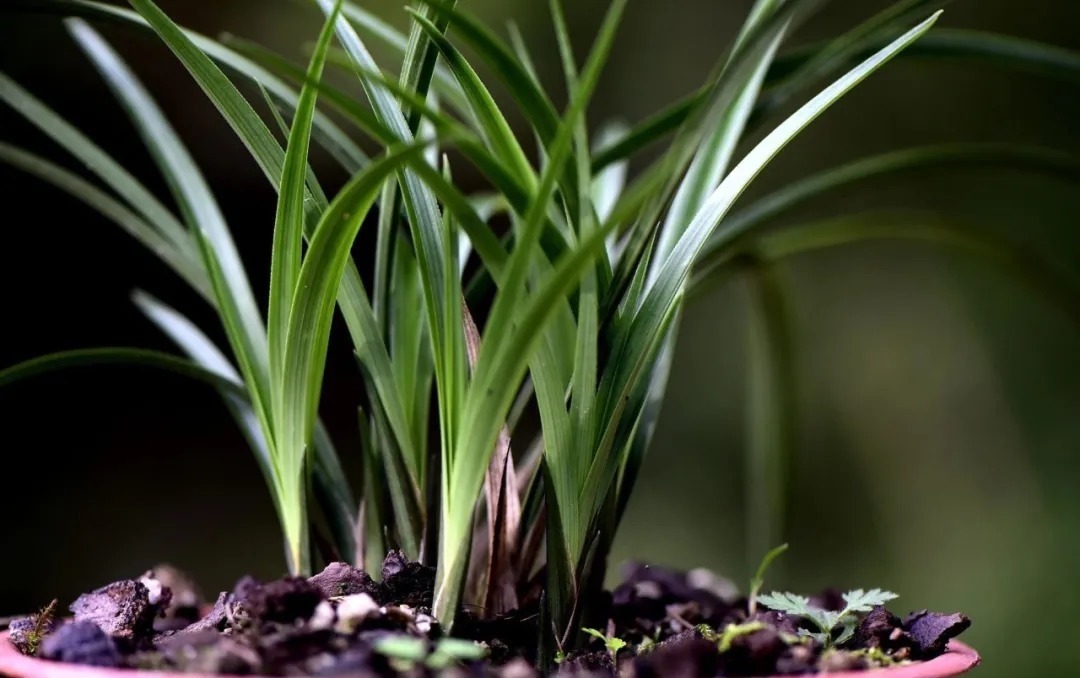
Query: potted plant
x=486, y=557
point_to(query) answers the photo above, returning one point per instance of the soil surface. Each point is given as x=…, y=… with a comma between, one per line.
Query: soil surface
x=659, y=622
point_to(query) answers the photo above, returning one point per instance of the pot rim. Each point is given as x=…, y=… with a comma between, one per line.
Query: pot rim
x=958, y=659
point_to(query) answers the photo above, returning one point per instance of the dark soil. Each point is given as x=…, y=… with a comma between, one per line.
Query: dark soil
x=342, y=621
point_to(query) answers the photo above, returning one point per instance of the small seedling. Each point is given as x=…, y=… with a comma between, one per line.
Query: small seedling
x=612, y=643
x=449, y=651
x=734, y=631
x=827, y=621
x=406, y=652
x=759, y=577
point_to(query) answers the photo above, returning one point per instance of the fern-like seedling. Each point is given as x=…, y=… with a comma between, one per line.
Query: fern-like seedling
x=828, y=621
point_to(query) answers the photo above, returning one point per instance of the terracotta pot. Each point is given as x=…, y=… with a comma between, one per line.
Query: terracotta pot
x=959, y=659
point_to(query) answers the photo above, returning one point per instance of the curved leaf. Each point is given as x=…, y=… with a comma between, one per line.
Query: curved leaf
x=979, y=156
x=138, y=357
x=113, y=210
x=1023, y=264
x=637, y=341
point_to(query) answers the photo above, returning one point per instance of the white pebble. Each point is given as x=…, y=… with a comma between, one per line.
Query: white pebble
x=353, y=610
x=322, y=617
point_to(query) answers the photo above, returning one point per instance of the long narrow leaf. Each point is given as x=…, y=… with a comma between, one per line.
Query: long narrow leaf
x=189, y=188
x=491, y=121
x=138, y=357
x=1022, y=264
x=289, y=223
x=978, y=156
x=113, y=210
x=636, y=346
x=499, y=364
x=771, y=402
x=309, y=320
x=97, y=161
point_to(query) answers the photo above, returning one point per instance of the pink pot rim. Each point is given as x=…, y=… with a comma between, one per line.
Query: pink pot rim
x=959, y=659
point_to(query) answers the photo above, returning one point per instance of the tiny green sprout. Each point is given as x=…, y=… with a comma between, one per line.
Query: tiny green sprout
x=827, y=621
x=560, y=657
x=759, y=577
x=612, y=643
x=734, y=631
x=707, y=632
x=449, y=651
x=404, y=652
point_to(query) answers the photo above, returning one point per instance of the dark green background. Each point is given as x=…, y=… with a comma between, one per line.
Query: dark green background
x=938, y=399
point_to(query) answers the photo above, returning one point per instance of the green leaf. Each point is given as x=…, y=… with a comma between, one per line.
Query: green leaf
x=309, y=320
x=502, y=359
x=402, y=647
x=184, y=179
x=719, y=247
x=417, y=76
x=410, y=351
x=92, y=357
x=134, y=225
x=425, y=221
x=483, y=240
x=332, y=492
x=949, y=43
x=827, y=620
x=788, y=603
x=709, y=164
x=514, y=75
x=865, y=601
x=652, y=191
x=1002, y=50
x=421, y=57
x=759, y=576
x=649, y=131
x=733, y=632
x=198, y=347
x=285, y=260
x=839, y=52
x=712, y=159
x=332, y=489
x=637, y=342
x=98, y=162
x=244, y=349
x=847, y=634
x=268, y=153
x=1023, y=265
x=442, y=82
x=465, y=650
x=192, y=193
x=771, y=406
x=248, y=126
x=489, y=118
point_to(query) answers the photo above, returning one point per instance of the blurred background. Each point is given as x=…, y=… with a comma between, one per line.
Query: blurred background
x=938, y=399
